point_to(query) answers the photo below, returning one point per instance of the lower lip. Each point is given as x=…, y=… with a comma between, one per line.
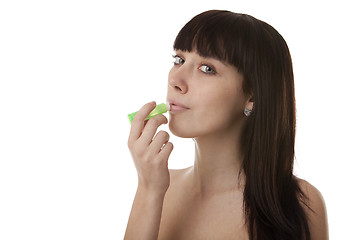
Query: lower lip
x=175, y=108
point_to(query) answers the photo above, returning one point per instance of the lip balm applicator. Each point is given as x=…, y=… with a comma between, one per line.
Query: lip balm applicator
x=159, y=109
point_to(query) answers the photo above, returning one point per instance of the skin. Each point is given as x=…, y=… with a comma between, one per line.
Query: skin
x=203, y=201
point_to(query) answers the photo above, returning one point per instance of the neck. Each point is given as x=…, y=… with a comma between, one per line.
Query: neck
x=217, y=163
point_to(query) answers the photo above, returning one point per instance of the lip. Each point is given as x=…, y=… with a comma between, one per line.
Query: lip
x=176, y=106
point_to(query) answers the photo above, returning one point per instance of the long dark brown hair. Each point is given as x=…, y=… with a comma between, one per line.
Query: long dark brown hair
x=273, y=201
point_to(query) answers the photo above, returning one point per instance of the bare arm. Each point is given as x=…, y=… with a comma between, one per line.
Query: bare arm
x=144, y=220
x=150, y=155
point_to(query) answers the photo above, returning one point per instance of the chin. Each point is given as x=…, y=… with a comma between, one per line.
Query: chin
x=190, y=130
x=181, y=130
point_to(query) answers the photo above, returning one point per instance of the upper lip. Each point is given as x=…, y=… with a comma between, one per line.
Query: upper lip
x=176, y=103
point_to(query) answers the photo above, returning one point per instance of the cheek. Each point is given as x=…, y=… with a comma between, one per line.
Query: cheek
x=222, y=104
x=219, y=110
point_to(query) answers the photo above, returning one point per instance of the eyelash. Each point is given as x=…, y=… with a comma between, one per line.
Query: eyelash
x=210, y=69
x=176, y=59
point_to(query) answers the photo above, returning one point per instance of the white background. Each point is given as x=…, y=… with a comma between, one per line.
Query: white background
x=71, y=71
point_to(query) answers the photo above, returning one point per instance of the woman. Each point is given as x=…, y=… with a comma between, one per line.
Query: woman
x=231, y=90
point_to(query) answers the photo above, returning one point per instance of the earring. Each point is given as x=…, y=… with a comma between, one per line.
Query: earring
x=247, y=112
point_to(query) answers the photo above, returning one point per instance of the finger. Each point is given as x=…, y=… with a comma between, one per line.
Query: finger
x=158, y=142
x=151, y=127
x=138, y=122
x=166, y=151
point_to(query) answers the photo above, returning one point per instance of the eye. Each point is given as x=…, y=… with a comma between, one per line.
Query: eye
x=207, y=69
x=178, y=60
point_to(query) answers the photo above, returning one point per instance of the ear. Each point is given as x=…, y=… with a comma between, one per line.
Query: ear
x=249, y=103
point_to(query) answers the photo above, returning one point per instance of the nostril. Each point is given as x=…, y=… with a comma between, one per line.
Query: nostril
x=178, y=88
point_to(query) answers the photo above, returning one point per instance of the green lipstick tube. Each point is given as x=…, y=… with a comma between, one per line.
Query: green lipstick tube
x=159, y=109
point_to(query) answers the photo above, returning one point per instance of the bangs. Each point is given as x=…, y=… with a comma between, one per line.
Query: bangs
x=211, y=34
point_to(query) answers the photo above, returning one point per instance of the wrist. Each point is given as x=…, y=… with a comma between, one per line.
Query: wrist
x=150, y=195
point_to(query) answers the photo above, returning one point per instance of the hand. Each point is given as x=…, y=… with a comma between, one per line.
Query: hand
x=150, y=154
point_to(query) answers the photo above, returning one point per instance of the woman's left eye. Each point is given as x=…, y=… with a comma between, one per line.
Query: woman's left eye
x=207, y=69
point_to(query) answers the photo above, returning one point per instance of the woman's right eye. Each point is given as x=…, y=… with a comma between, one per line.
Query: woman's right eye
x=178, y=60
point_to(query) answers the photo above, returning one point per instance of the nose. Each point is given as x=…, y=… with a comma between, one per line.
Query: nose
x=178, y=79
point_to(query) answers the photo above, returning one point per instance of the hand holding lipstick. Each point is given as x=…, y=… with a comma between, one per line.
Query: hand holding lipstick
x=150, y=152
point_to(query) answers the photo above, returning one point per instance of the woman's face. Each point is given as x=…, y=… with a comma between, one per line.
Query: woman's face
x=206, y=96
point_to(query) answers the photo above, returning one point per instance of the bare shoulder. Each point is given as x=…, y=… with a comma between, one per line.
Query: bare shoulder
x=177, y=181
x=317, y=213
x=177, y=174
